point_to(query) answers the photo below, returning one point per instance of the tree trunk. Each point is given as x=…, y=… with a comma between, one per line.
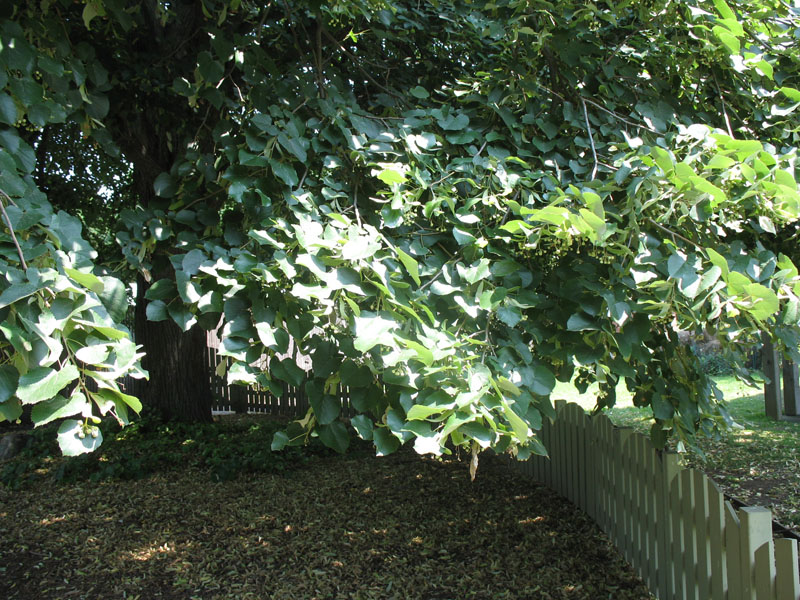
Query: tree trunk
x=179, y=385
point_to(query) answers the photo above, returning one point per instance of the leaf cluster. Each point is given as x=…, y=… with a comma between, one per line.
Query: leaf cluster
x=450, y=206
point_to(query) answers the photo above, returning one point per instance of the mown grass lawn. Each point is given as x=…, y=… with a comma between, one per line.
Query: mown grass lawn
x=757, y=462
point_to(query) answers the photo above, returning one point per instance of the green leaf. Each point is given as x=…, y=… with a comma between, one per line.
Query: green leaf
x=163, y=289
x=544, y=381
x=17, y=292
x=87, y=280
x=165, y=185
x=372, y=329
x=730, y=41
x=92, y=9
x=284, y=172
x=211, y=70
x=423, y=411
x=9, y=379
x=328, y=410
x=580, y=321
x=10, y=410
x=8, y=110
x=390, y=176
x=385, y=442
x=519, y=426
x=363, y=426
x=288, y=371
x=724, y=10
x=419, y=92
x=279, y=441
x=58, y=408
x=71, y=442
x=355, y=376
x=93, y=355
x=662, y=408
x=791, y=93
x=766, y=301
x=43, y=383
x=410, y=264
x=156, y=311
x=335, y=436
x=114, y=298
x=510, y=315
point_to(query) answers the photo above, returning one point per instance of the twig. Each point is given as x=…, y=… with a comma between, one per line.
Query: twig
x=318, y=60
x=206, y=197
x=591, y=138
x=601, y=107
x=301, y=105
x=261, y=22
x=486, y=337
x=435, y=277
x=674, y=234
x=618, y=116
x=355, y=206
x=620, y=45
x=11, y=231
x=303, y=178
x=724, y=106
x=354, y=58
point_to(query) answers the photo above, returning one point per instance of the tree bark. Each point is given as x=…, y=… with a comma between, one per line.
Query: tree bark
x=179, y=385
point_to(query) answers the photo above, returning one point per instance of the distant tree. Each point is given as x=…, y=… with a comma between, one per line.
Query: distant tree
x=448, y=206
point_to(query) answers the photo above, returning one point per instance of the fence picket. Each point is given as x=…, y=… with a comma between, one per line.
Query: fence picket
x=688, y=500
x=716, y=534
x=702, y=536
x=764, y=565
x=667, y=473
x=672, y=524
x=733, y=547
x=787, y=582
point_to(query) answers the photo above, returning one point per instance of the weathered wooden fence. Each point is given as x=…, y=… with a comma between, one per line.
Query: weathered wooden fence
x=292, y=401
x=672, y=524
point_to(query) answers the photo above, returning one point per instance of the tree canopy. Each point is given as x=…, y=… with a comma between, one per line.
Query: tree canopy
x=447, y=205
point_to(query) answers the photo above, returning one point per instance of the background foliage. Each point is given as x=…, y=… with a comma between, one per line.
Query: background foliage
x=448, y=206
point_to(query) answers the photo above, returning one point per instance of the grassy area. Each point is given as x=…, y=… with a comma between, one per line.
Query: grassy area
x=757, y=462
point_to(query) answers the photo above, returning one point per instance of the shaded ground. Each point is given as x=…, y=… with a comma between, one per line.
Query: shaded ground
x=355, y=527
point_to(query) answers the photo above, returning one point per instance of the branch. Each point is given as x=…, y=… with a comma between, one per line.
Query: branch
x=600, y=106
x=355, y=60
x=11, y=230
x=435, y=277
x=591, y=138
x=674, y=235
x=355, y=206
x=724, y=106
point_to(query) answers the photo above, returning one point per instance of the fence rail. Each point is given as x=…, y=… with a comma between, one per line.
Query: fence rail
x=672, y=524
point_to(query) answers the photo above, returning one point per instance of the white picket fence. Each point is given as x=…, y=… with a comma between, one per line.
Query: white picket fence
x=672, y=524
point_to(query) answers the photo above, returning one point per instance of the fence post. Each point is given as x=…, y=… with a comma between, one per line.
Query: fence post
x=771, y=365
x=791, y=389
x=756, y=530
